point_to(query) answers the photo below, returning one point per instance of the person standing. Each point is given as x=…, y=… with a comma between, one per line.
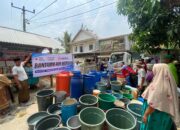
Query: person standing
x=160, y=107
x=169, y=60
x=21, y=78
x=141, y=77
x=77, y=66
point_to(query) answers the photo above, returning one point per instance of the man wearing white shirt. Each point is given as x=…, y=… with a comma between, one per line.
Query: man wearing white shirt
x=20, y=78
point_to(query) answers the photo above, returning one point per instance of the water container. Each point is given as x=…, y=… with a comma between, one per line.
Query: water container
x=73, y=123
x=119, y=119
x=76, y=89
x=63, y=82
x=102, y=86
x=54, y=109
x=96, y=74
x=44, y=99
x=68, y=109
x=89, y=83
x=106, y=101
x=91, y=118
x=136, y=110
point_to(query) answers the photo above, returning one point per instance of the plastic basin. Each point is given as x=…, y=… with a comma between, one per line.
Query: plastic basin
x=48, y=122
x=73, y=123
x=119, y=119
x=115, y=85
x=33, y=119
x=88, y=100
x=91, y=118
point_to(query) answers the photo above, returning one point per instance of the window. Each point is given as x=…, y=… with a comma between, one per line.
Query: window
x=90, y=47
x=76, y=49
x=81, y=48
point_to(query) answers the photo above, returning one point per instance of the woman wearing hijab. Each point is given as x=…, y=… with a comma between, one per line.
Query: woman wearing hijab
x=161, y=107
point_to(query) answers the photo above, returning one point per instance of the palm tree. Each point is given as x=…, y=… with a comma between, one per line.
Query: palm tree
x=65, y=40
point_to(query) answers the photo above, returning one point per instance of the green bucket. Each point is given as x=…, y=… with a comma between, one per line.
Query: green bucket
x=91, y=118
x=101, y=86
x=119, y=119
x=106, y=101
x=129, y=96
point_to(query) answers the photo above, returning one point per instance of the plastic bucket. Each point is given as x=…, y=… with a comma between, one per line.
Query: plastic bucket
x=106, y=101
x=68, y=109
x=73, y=123
x=48, y=122
x=89, y=83
x=136, y=110
x=115, y=85
x=119, y=119
x=129, y=96
x=91, y=118
x=88, y=100
x=125, y=100
x=44, y=99
x=33, y=119
x=76, y=89
x=54, y=109
x=62, y=128
x=118, y=95
x=101, y=86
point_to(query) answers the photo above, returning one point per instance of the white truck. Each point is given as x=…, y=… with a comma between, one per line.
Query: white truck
x=117, y=58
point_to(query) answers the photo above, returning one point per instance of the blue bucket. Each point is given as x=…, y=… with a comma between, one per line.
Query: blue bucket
x=89, y=83
x=68, y=109
x=76, y=89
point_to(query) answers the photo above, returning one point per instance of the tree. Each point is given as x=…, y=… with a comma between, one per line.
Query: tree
x=154, y=26
x=65, y=40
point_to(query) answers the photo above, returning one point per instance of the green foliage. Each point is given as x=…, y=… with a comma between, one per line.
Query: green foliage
x=65, y=40
x=154, y=26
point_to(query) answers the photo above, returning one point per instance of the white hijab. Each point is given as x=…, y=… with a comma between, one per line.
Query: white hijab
x=161, y=94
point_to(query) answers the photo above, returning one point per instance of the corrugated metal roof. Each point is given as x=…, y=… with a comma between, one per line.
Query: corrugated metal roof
x=19, y=37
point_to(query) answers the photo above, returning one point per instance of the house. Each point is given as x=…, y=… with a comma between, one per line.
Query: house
x=84, y=44
x=87, y=45
x=114, y=44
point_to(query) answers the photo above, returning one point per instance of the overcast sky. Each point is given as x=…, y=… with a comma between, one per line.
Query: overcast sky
x=105, y=22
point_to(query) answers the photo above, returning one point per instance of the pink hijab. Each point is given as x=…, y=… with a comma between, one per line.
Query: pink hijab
x=161, y=94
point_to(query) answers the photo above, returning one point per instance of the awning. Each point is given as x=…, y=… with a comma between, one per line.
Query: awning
x=104, y=56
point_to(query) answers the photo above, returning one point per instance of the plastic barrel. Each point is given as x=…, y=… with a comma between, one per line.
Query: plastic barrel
x=88, y=100
x=96, y=74
x=136, y=110
x=115, y=85
x=76, y=89
x=89, y=83
x=68, y=109
x=106, y=101
x=33, y=119
x=54, y=109
x=101, y=86
x=44, y=99
x=48, y=122
x=73, y=123
x=91, y=118
x=119, y=119
x=63, y=82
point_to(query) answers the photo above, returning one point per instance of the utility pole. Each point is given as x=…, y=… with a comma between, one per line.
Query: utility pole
x=24, y=15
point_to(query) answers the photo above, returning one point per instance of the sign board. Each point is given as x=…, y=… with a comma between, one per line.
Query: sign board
x=48, y=64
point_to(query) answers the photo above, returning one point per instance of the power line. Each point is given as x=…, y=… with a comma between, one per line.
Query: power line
x=65, y=10
x=39, y=3
x=49, y=22
x=43, y=9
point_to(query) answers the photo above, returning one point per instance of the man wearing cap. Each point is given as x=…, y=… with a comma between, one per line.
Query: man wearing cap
x=168, y=60
x=20, y=78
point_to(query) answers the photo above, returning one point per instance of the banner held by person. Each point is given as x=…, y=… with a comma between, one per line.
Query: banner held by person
x=49, y=64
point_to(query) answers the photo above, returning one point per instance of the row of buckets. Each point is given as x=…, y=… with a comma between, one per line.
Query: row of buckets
x=88, y=113
x=76, y=84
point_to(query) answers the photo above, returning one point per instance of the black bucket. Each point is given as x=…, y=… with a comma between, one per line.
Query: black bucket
x=44, y=99
x=33, y=119
x=48, y=123
x=54, y=109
